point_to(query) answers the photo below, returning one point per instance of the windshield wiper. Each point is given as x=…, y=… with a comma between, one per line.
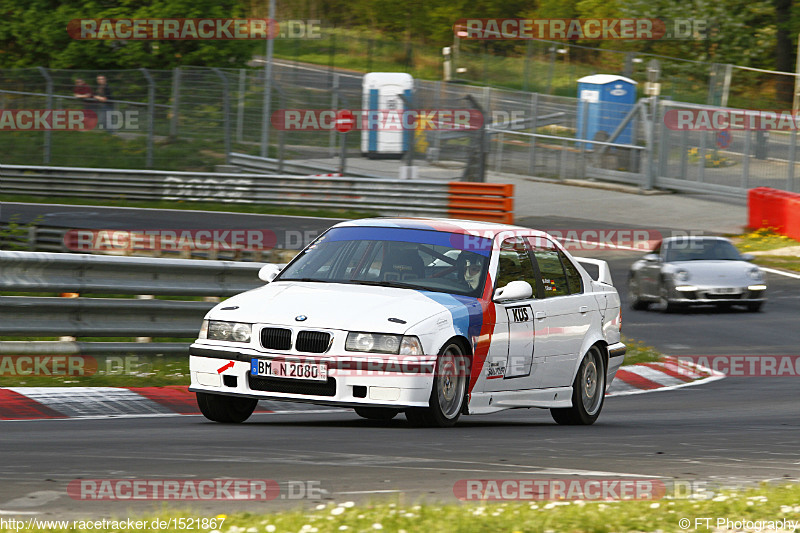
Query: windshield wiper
x=314, y=280
x=395, y=284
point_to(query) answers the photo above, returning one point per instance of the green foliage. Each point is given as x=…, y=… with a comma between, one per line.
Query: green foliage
x=34, y=33
x=14, y=236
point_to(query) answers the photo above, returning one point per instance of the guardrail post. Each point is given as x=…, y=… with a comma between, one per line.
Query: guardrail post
x=535, y=114
x=335, y=107
x=240, y=108
x=176, y=97
x=151, y=118
x=582, y=135
x=226, y=114
x=702, y=161
x=746, y=161
x=49, y=105
x=651, y=144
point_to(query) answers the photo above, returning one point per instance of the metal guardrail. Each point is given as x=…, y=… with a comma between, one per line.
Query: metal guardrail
x=37, y=272
x=384, y=196
x=266, y=165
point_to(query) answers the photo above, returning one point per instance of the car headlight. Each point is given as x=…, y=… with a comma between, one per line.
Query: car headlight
x=681, y=275
x=754, y=273
x=382, y=343
x=219, y=330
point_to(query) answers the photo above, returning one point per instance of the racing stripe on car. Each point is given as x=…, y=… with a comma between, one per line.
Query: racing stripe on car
x=474, y=318
x=16, y=406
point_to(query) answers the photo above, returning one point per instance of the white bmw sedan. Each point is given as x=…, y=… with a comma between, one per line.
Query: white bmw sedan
x=434, y=318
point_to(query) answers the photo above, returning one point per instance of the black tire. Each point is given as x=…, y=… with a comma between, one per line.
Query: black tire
x=754, y=307
x=666, y=305
x=588, y=392
x=448, y=393
x=637, y=304
x=225, y=409
x=376, y=413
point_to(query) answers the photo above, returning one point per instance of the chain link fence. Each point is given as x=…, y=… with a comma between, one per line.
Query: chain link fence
x=192, y=118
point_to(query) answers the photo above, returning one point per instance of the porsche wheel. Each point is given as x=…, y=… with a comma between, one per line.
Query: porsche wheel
x=635, y=296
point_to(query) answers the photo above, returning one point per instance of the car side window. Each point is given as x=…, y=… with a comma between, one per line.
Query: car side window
x=554, y=279
x=574, y=280
x=515, y=264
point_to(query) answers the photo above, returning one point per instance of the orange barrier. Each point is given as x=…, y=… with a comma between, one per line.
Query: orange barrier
x=775, y=209
x=793, y=218
x=493, y=202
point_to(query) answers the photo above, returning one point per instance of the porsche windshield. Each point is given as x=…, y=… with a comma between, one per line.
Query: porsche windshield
x=395, y=257
x=701, y=249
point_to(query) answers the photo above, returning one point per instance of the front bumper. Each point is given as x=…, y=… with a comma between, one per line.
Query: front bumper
x=370, y=380
x=704, y=294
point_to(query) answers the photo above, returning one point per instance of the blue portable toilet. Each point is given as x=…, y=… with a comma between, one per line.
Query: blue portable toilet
x=381, y=93
x=609, y=98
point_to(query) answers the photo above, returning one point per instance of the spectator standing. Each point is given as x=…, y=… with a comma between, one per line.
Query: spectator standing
x=103, y=97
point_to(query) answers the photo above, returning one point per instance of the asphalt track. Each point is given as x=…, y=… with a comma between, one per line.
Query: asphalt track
x=729, y=432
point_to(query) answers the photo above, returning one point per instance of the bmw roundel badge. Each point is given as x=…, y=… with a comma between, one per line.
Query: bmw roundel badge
x=300, y=318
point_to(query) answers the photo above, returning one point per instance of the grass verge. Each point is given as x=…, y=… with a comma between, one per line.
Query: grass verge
x=753, y=508
x=639, y=352
x=764, y=240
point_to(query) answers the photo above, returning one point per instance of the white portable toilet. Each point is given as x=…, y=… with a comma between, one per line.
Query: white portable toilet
x=381, y=93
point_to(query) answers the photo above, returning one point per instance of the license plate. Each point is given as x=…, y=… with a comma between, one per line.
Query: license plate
x=279, y=368
x=724, y=290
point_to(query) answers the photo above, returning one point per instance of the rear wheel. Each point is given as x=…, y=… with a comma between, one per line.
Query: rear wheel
x=588, y=392
x=225, y=409
x=448, y=392
x=376, y=413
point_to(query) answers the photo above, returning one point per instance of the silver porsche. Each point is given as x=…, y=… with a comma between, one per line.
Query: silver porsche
x=694, y=270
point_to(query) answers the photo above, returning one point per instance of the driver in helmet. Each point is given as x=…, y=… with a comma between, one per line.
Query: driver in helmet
x=472, y=271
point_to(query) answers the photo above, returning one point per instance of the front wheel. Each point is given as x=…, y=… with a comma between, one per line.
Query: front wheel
x=376, y=413
x=225, y=409
x=754, y=307
x=637, y=304
x=448, y=392
x=588, y=392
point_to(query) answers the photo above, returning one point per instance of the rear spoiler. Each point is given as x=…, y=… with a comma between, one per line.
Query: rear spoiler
x=603, y=272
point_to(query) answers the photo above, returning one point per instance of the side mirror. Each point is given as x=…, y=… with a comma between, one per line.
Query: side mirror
x=748, y=257
x=652, y=258
x=268, y=272
x=516, y=290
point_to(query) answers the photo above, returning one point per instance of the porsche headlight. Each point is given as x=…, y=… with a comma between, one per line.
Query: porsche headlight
x=219, y=330
x=382, y=343
x=754, y=273
x=681, y=275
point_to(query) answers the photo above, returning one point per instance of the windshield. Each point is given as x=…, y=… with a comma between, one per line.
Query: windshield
x=701, y=249
x=394, y=257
